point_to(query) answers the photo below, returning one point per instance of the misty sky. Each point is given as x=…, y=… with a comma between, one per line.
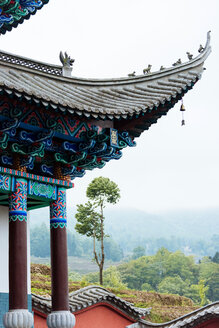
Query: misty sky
x=172, y=167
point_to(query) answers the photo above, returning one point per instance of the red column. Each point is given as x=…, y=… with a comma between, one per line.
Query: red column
x=18, y=246
x=18, y=312
x=60, y=316
x=59, y=260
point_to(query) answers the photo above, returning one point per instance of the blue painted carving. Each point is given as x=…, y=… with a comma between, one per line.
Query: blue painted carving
x=124, y=139
x=6, y=159
x=47, y=169
x=98, y=149
x=4, y=141
x=86, y=145
x=44, y=135
x=68, y=170
x=70, y=147
x=73, y=159
x=8, y=125
x=28, y=162
x=88, y=161
x=31, y=6
x=114, y=154
x=33, y=150
x=78, y=174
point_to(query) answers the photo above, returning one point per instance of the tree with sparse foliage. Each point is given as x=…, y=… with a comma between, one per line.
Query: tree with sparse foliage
x=90, y=216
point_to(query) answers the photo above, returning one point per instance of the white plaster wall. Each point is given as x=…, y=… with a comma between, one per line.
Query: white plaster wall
x=3, y=249
x=4, y=225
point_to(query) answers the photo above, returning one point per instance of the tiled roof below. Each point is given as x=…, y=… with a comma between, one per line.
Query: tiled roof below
x=190, y=320
x=89, y=296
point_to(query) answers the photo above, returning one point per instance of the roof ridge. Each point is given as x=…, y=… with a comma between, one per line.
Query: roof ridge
x=56, y=70
x=88, y=288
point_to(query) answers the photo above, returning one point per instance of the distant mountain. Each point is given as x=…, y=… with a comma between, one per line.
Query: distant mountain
x=133, y=223
x=195, y=224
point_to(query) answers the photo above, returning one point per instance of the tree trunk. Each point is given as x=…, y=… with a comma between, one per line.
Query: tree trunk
x=102, y=246
x=101, y=274
x=94, y=249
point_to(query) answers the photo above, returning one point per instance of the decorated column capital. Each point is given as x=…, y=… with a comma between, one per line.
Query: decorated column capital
x=18, y=201
x=58, y=216
x=61, y=319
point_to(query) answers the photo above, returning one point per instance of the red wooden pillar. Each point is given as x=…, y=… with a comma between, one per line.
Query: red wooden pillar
x=60, y=316
x=18, y=315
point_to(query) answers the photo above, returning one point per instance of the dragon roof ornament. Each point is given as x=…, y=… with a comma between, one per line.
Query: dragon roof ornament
x=14, y=12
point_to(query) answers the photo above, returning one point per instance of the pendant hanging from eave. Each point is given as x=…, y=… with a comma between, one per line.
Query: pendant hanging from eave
x=182, y=109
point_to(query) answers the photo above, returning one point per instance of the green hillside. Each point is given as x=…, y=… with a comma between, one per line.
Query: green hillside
x=164, y=307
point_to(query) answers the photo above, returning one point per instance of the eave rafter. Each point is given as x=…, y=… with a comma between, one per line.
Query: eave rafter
x=41, y=149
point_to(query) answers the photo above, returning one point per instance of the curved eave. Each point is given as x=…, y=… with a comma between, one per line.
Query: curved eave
x=7, y=27
x=114, y=99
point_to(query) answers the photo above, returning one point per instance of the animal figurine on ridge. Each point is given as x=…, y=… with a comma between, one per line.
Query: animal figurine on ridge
x=131, y=74
x=189, y=55
x=147, y=70
x=178, y=62
x=201, y=48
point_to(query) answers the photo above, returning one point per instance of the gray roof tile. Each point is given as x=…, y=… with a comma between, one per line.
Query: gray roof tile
x=187, y=321
x=88, y=296
x=115, y=98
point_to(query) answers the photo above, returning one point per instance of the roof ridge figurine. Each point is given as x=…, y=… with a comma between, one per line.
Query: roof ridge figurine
x=189, y=55
x=67, y=63
x=131, y=74
x=147, y=70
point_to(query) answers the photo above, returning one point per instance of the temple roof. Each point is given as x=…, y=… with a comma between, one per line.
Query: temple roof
x=112, y=99
x=14, y=12
x=88, y=296
x=189, y=320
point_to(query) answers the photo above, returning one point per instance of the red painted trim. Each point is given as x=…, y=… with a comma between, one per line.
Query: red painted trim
x=208, y=324
x=107, y=305
x=41, y=314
